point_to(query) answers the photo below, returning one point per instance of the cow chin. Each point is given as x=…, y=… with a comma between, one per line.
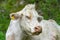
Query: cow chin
x=27, y=32
x=36, y=33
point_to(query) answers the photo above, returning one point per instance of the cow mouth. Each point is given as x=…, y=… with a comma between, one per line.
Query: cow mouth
x=36, y=33
x=38, y=30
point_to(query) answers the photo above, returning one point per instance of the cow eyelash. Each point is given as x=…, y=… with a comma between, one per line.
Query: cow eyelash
x=28, y=17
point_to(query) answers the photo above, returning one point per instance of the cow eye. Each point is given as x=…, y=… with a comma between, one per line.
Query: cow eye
x=28, y=17
x=39, y=19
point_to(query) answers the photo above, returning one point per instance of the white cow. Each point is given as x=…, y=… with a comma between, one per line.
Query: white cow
x=23, y=24
x=26, y=25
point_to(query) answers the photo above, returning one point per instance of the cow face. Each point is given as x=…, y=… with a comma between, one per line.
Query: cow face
x=28, y=21
x=30, y=24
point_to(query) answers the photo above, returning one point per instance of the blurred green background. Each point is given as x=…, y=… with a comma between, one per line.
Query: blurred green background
x=49, y=8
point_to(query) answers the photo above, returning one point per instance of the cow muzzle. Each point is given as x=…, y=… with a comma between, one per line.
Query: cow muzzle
x=38, y=30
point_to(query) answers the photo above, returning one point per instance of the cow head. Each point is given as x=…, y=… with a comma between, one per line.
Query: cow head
x=30, y=24
x=28, y=21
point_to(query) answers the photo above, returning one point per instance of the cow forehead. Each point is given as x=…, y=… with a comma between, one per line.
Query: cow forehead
x=28, y=13
x=28, y=10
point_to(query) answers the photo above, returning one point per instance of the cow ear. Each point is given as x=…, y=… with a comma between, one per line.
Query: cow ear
x=14, y=16
x=39, y=18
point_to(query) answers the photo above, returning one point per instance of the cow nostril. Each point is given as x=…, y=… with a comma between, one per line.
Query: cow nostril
x=38, y=29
